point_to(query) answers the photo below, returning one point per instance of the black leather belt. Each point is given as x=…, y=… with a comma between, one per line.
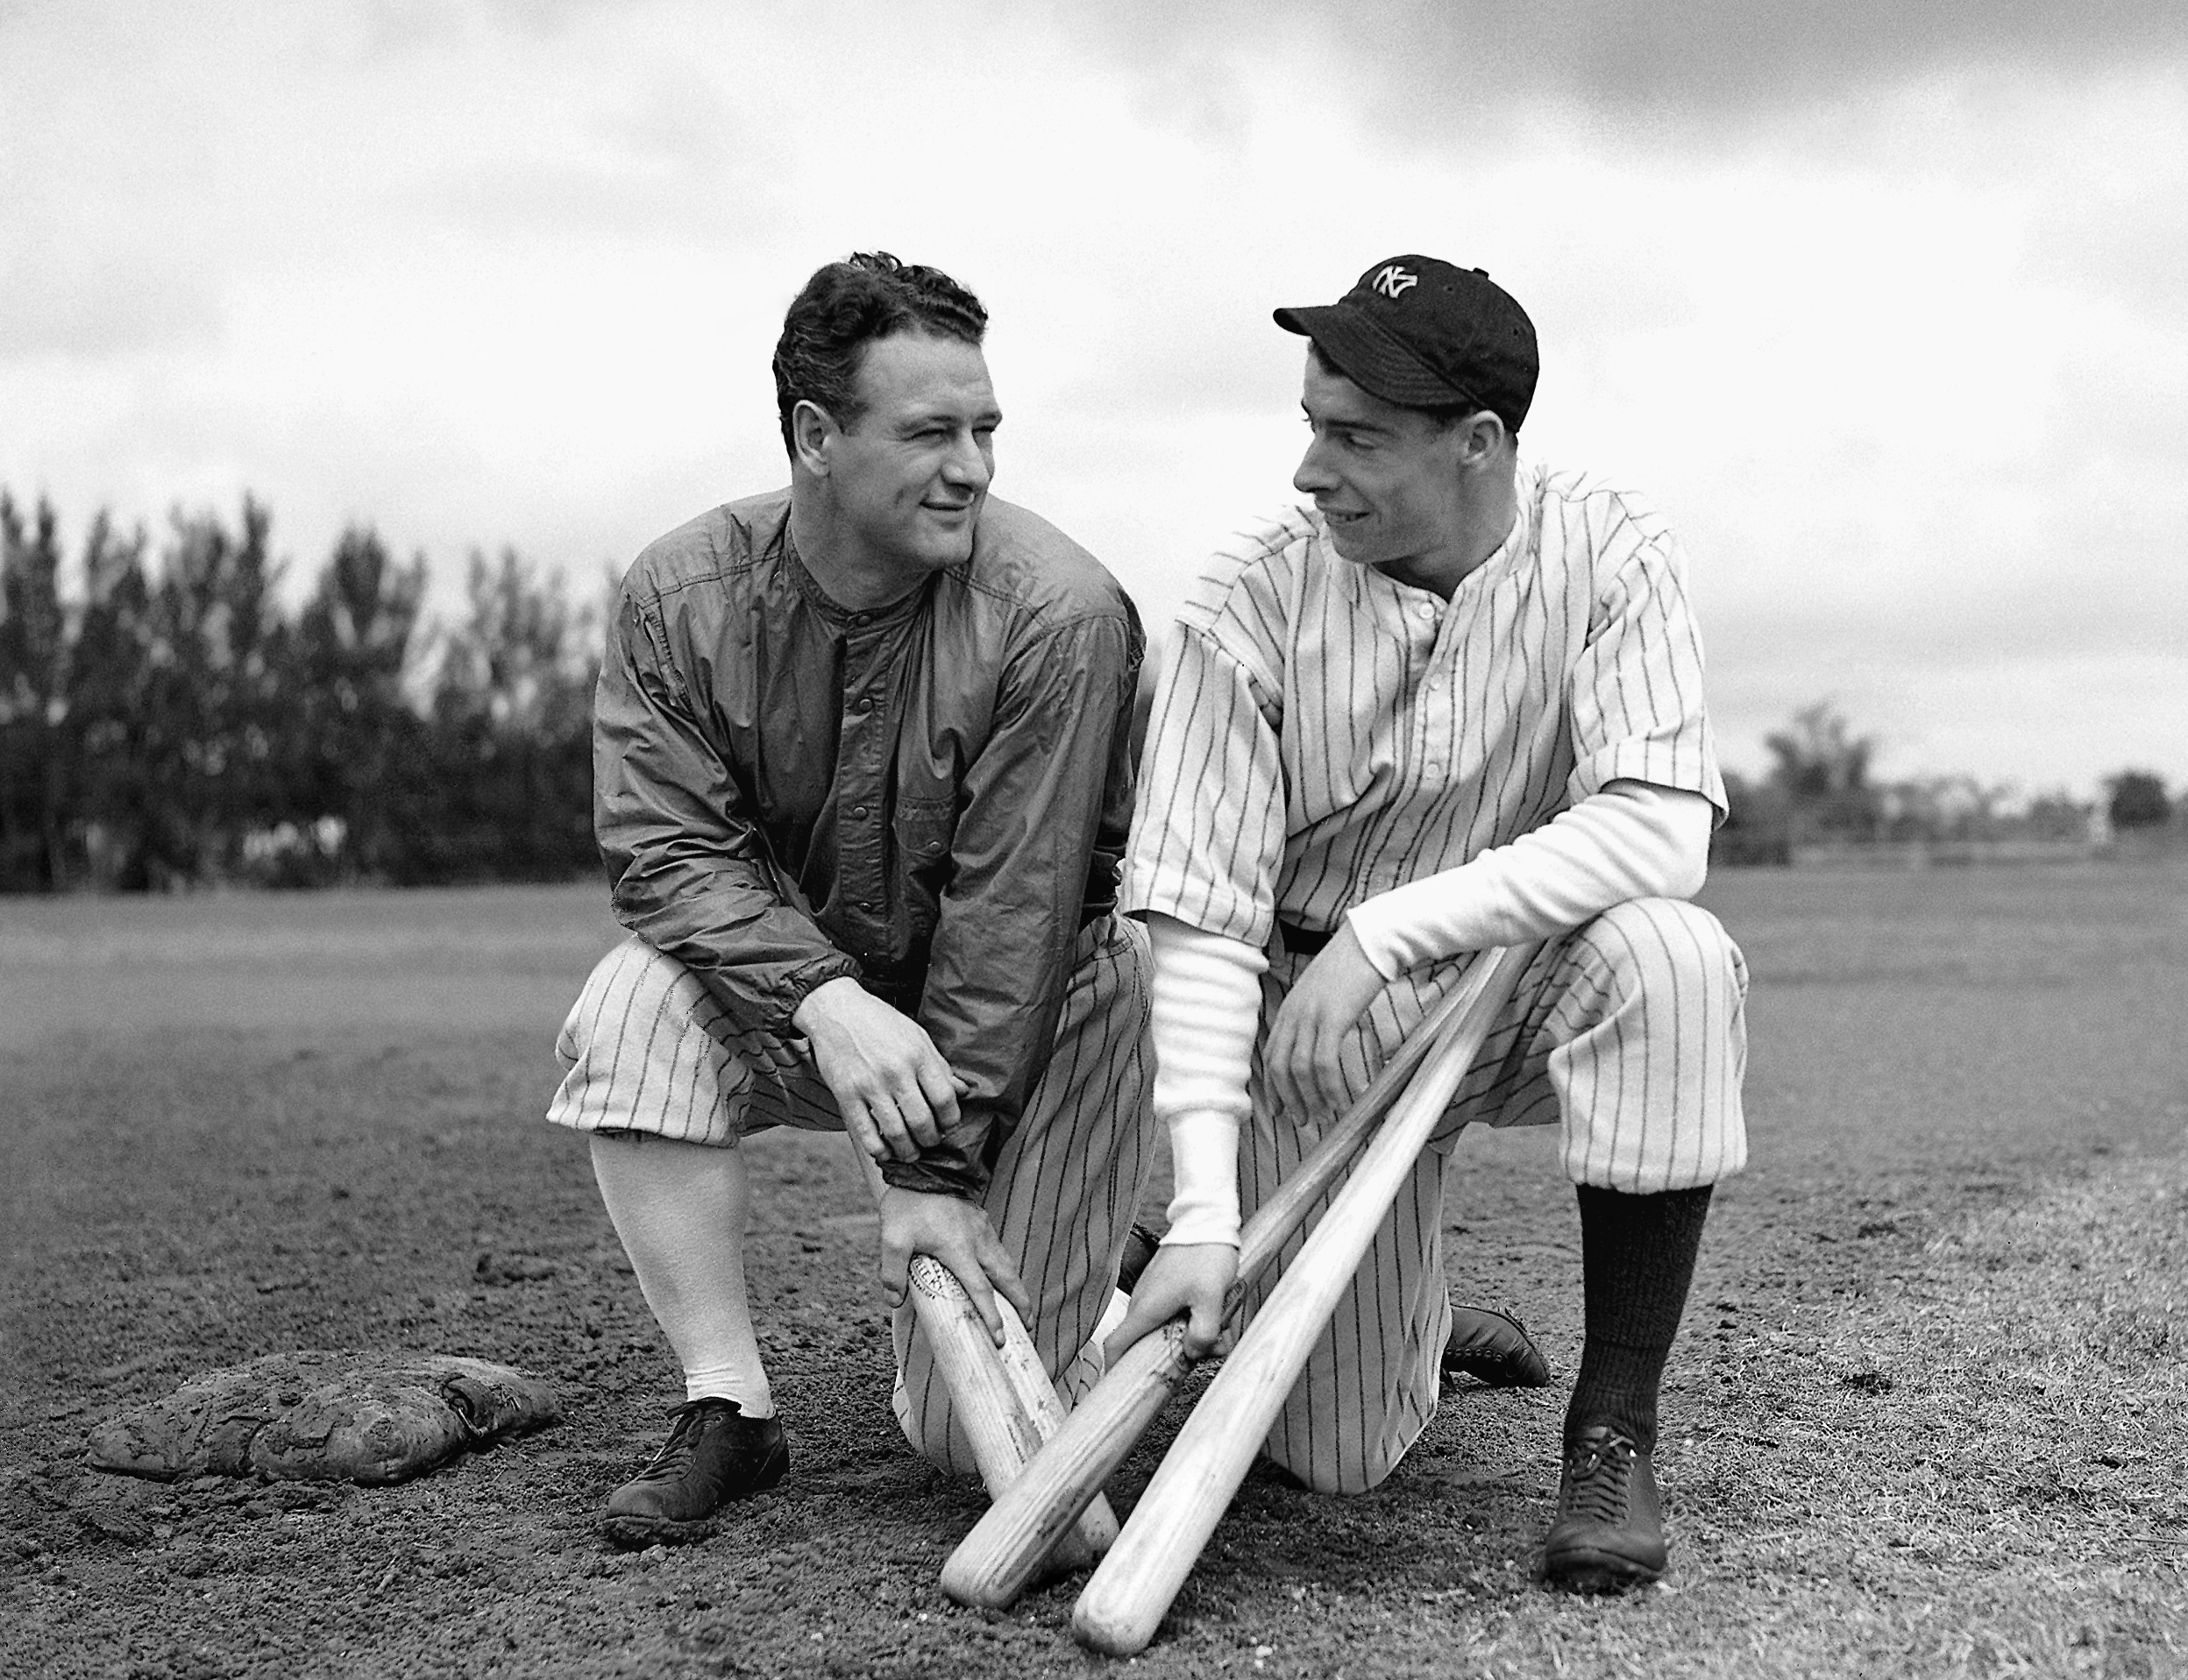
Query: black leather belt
x=1303, y=941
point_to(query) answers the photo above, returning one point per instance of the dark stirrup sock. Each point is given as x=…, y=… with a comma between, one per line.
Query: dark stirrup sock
x=1636, y=1259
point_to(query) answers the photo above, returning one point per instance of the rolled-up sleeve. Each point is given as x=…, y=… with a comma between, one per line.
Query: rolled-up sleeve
x=1635, y=694
x=1035, y=799
x=689, y=868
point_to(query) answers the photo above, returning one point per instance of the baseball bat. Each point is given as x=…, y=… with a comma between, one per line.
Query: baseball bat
x=996, y=1560
x=1001, y=1397
x=1133, y=1586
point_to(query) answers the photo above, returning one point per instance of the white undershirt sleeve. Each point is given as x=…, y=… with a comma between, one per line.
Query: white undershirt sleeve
x=1632, y=839
x=1207, y=1006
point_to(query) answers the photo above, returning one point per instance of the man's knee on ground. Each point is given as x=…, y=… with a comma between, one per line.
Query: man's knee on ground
x=1328, y=1472
x=924, y=1414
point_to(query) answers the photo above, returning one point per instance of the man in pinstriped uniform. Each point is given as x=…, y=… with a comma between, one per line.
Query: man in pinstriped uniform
x=863, y=776
x=1454, y=704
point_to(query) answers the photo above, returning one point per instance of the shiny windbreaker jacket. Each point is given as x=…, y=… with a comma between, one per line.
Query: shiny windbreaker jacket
x=932, y=796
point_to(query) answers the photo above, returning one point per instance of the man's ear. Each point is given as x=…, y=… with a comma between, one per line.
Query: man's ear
x=1482, y=434
x=810, y=430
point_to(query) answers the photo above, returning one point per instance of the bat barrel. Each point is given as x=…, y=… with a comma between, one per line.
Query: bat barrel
x=1005, y=1550
x=1125, y=1599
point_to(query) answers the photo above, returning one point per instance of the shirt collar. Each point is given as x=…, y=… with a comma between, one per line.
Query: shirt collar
x=1517, y=544
x=832, y=613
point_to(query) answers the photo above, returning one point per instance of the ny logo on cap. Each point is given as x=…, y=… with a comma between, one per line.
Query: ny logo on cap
x=1393, y=280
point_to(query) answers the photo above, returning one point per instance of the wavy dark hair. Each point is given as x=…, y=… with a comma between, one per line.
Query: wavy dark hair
x=843, y=307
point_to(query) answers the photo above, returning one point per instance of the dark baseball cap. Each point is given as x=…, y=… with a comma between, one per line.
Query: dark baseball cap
x=1422, y=334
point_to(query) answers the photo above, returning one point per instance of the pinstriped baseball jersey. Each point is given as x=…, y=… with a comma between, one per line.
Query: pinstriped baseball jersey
x=1323, y=732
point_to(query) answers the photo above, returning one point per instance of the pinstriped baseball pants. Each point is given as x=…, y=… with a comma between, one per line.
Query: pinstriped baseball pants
x=646, y=1049
x=1627, y=1032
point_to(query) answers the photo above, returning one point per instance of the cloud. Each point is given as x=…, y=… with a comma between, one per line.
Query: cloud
x=87, y=305
x=1886, y=305
x=1463, y=66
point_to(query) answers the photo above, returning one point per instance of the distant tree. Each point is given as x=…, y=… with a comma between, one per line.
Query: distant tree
x=1822, y=769
x=171, y=725
x=214, y=710
x=2137, y=800
x=2058, y=816
x=513, y=703
x=356, y=746
x=1819, y=756
x=1755, y=830
x=1943, y=808
x=34, y=756
x=109, y=685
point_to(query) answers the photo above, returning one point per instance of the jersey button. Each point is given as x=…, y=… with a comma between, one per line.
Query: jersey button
x=858, y=811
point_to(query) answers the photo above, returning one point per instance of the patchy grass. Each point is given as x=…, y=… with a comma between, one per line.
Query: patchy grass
x=1968, y=1467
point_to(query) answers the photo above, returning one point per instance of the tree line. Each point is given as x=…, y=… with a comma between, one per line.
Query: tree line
x=168, y=721
x=1821, y=792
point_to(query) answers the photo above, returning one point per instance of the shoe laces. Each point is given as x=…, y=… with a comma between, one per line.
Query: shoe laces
x=1599, y=1473
x=675, y=1456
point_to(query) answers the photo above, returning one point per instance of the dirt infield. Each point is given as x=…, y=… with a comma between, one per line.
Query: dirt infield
x=1924, y=1419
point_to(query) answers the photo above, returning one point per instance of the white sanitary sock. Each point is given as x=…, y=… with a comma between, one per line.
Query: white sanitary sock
x=679, y=1209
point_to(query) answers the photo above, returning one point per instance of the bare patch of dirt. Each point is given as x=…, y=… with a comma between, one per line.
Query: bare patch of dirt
x=1915, y=1423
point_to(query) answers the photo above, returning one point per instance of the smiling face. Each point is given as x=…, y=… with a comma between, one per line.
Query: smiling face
x=1387, y=481
x=906, y=480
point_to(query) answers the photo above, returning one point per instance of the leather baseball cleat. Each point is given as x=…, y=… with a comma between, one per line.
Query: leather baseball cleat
x=714, y=1453
x=1609, y=1531
x=1493, y=1348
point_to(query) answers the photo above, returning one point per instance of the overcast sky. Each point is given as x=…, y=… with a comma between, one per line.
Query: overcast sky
x=1884, y=304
